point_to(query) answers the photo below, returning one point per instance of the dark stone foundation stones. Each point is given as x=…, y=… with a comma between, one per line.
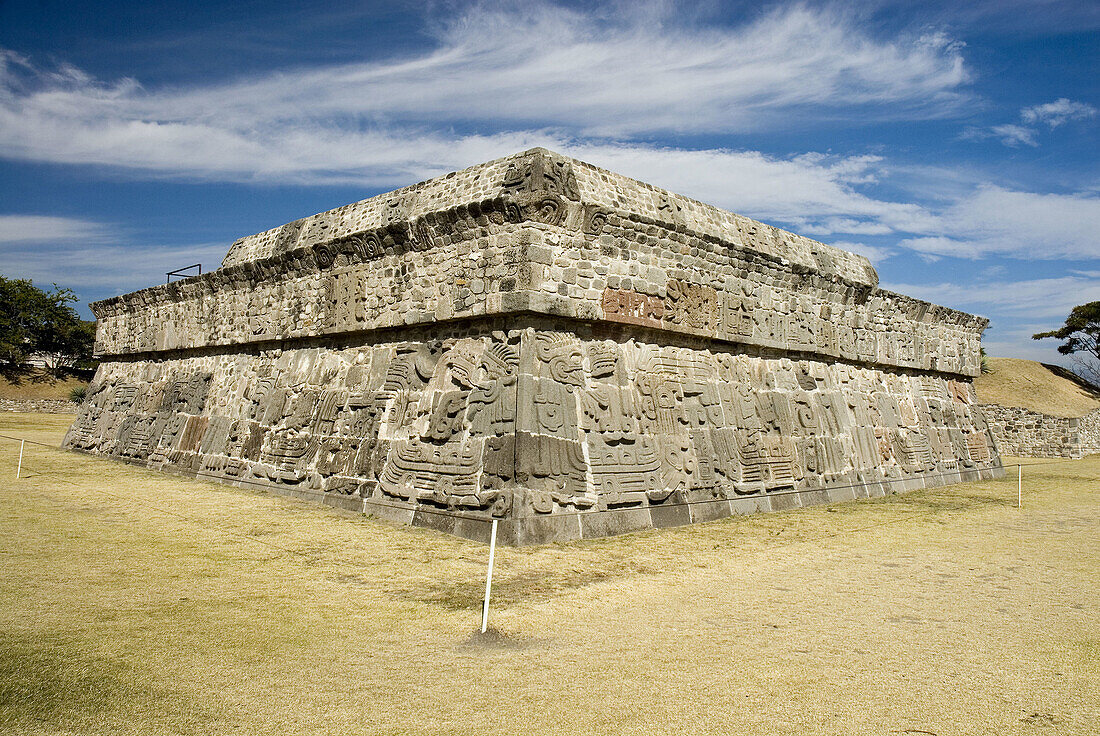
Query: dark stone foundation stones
x=536, y=340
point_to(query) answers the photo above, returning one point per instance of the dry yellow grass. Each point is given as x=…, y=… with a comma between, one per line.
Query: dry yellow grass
x=1032, y=385
x=133, y=602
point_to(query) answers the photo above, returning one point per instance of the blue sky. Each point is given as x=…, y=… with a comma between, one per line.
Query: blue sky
x=955, y=144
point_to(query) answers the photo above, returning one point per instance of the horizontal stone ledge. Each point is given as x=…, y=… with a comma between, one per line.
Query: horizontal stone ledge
x=522, y=318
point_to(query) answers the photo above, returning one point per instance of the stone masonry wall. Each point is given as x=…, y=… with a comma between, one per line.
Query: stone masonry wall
x=667, y=262
x=42, y=406
x=1027, y=433
x=541, y=342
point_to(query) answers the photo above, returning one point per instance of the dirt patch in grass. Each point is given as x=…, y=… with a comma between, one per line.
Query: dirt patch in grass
x=493, y=638
x=146, y=603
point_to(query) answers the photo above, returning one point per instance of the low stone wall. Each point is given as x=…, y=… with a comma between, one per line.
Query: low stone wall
x=41, y=406
x=1031, y=434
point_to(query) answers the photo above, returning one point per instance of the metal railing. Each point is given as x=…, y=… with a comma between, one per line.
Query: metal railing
x=179, y=272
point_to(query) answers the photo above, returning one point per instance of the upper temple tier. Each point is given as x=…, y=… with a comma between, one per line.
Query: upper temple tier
x=540, y=233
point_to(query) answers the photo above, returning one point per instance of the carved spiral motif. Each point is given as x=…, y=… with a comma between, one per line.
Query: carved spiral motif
x=370, y=245
x=549, y=210
x=597, y=221
x=512, y=211
x=324, y=256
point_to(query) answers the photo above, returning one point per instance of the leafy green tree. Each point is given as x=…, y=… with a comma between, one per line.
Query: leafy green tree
x=1081, y=336
x=35, y=323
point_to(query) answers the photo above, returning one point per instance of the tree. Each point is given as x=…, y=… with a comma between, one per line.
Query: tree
x=1081, y=334
x=35, y=323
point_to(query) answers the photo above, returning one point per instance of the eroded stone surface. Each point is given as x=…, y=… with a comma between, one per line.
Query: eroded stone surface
x=537, y=340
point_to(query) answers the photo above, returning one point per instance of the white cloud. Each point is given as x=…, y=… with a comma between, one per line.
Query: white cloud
x=1052, y=114
x=998, y=221
x=1048, y=298
x=875, y=254
x=848, y=225
x=1015, y=135
x=45, y=229
x=106, y=270
x=496, y=67
x=1058, y=112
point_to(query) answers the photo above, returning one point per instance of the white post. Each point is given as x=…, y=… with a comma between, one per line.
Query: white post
x=1019, y=486
x=19, y=467
x=489, y=579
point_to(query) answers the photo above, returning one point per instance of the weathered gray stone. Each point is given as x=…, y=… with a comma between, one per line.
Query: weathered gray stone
x=536, y=340
x=1027, y=433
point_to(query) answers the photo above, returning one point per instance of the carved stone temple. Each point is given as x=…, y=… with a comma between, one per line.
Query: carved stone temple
x=540, y=341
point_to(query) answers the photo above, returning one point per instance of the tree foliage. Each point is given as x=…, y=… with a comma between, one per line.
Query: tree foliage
x=35, y=323
x=1081, y=339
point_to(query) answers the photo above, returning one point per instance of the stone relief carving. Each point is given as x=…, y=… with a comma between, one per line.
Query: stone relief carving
x=541, y=172
x=691, y=305
x=581, y=425
x=482, y=354
x=633, y=308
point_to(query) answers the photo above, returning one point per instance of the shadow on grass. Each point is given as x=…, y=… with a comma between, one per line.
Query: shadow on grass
x=494, y=638
x=954, y=500
x=47, y=685
x=16, y=375
x=598, y=560
x=531, y=586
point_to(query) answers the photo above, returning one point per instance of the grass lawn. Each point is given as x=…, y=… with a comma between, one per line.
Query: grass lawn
x=134, y=602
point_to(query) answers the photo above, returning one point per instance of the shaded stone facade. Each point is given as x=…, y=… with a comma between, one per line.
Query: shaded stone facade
x=537, y=340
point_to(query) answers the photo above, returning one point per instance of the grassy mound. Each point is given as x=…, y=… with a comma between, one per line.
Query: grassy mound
x=34, y=383
x=1048, y=389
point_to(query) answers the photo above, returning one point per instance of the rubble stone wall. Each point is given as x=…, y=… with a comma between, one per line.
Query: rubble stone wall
x=41, y=406
x=1027, y=433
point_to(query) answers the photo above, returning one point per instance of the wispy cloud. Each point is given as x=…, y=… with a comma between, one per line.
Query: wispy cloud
x=1015, y=135
x=873, y=253
x=94, y=259
x=1058, y=112
x=998, y=221
x=99, y=271
x=500, y=69
x=50, y=229
x=1026, y=132
x=1049, y=298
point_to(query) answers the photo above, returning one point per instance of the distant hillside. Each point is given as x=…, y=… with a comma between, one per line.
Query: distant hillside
x=1047, y=389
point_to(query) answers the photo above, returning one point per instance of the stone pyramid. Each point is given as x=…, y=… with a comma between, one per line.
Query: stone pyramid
x=543, y=342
